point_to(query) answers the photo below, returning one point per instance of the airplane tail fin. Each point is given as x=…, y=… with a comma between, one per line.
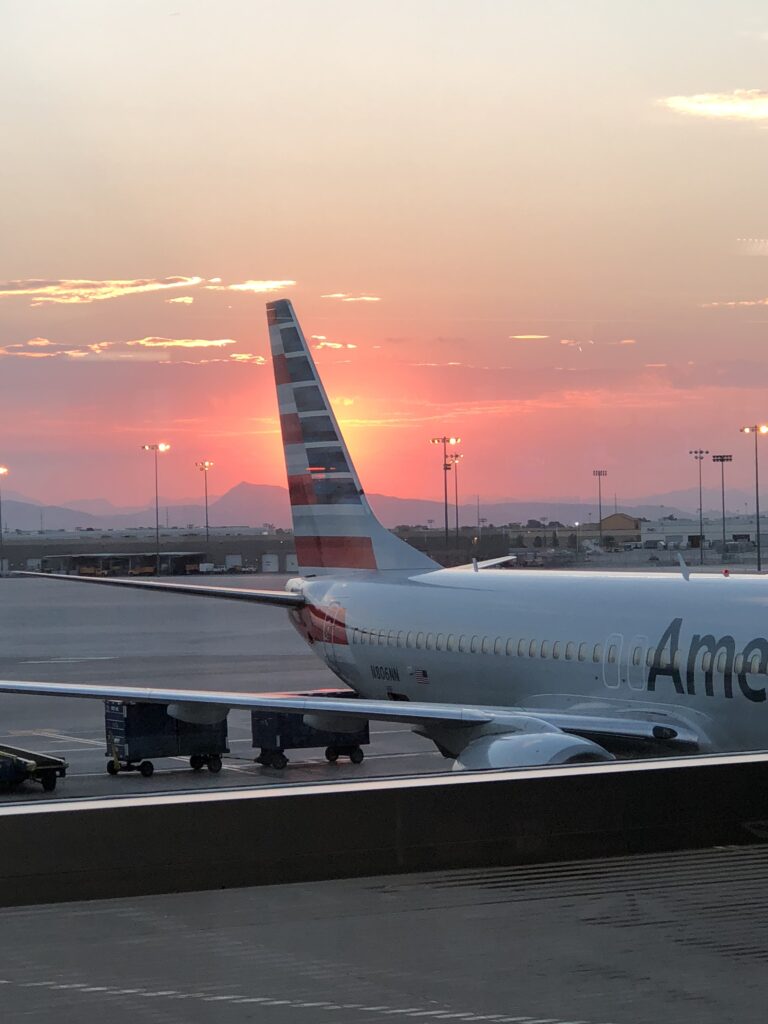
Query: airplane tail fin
x=334, y=527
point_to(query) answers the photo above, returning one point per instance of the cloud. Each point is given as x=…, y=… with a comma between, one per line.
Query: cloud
x=528, y=337
x=752, y=246
x=737, y=302
x=178, y=343
x=135, y=349
x=71, y=291
x=655, y=366
x=344, y=297
x=256, y=287
x=185, y=300
x=334, y=344
x=624, y=341
x=739, y=105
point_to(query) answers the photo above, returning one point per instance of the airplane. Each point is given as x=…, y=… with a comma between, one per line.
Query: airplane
x=499, y=669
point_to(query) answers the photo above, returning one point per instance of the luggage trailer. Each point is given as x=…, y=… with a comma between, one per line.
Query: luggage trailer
x=18, y=765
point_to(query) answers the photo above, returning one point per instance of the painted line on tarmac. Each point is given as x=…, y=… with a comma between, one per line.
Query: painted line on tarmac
x=78, y=988
x=70, y=661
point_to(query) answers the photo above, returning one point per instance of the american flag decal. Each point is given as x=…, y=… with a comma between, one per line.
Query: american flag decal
x=420, y=675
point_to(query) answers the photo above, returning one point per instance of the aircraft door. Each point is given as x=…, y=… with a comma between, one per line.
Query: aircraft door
x=333, y=624
x=636, y=652
x=612, y=661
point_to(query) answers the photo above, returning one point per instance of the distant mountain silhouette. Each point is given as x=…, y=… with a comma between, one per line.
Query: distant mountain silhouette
x=253, y=505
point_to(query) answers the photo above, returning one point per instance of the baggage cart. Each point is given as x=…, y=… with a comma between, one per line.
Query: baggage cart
x=276, y=732
x=137, y=732
x=17, y=766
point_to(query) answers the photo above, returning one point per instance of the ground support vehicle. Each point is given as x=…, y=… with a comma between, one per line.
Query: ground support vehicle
x=17, y=766
x=136, y=732
x=275, y=732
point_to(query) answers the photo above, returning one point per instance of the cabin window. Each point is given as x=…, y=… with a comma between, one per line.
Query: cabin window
x=451, y=643
x=532, y=647
x=474, y=644
x=556, y=646
x=486, y=645
x=498, y=646
x=355, y=635
x=754, y=664
x=510, y=647
x=521, y=645
x=738, y=664
x=570, y=650
x=383, y=637
x=544, y=653
x=463, y=644
x=706, y=662
x=721, y=661
x=392, y=638
x=419, y=639
x=439, y=642
x=410, y=640
x=401, y=639
x=637, y=655
x=612, y=652
x=597, y=653
x=650, y=654
x=582, y=652
x=429, y=643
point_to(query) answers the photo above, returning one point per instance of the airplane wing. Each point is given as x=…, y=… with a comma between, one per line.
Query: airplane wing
x=383, y=710
x=279, y=598
x=672, y=734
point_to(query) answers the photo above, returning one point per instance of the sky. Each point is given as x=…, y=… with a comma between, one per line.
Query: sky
x=541, y=227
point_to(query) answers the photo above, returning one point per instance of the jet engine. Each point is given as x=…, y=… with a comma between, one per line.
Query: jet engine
x=198, y=714
x=527, y=750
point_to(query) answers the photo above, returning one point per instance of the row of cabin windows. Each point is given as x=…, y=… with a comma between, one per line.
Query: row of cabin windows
x=556, y=650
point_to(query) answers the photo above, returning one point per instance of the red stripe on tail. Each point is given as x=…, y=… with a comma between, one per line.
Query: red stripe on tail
x=336, y=552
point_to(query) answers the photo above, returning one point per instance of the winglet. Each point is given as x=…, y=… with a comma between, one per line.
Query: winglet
x=684, y=570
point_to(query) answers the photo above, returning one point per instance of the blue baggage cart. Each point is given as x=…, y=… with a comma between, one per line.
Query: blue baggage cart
x=136, y=732
x=276, y=732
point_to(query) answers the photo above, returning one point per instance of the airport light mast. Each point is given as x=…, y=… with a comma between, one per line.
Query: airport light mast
x=600, y=473
x=445, y=441
x=204, y=466
x=159, y=446
x=453, y=460
x=758, y=428
x=3, y=472
x=698, y=454
x=722, y=459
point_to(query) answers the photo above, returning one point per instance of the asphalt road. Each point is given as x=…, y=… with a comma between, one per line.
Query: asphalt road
x=57, y=631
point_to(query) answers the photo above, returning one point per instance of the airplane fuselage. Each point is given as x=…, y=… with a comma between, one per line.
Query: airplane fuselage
x=696, y=647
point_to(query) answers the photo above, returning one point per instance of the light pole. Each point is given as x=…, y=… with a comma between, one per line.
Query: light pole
x=758, y=428
x=453, y=460
x=204, y=466
x=160, y=446
x=445, y=441
x=577, y=524
x=600, y=473
x=3, y=472
x=698, y=454
x=722, y=459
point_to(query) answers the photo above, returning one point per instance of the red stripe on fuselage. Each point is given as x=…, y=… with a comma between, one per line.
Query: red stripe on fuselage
x=336, y=552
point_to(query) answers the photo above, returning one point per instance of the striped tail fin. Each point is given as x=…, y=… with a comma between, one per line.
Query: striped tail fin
x=334, y=527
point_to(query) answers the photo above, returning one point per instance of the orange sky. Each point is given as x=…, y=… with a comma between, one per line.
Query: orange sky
x=547, y=223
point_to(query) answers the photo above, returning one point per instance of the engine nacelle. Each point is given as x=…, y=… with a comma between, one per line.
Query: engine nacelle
x=198, y=714
x=527, y=750
x=333, y=723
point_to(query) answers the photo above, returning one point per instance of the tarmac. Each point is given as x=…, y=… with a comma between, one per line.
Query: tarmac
x=56, y=631
x=632, y=940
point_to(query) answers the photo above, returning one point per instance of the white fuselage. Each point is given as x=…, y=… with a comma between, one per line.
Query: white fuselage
x=555, y=640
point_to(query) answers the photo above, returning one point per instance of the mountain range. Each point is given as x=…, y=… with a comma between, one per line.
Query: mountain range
x=253, y=505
